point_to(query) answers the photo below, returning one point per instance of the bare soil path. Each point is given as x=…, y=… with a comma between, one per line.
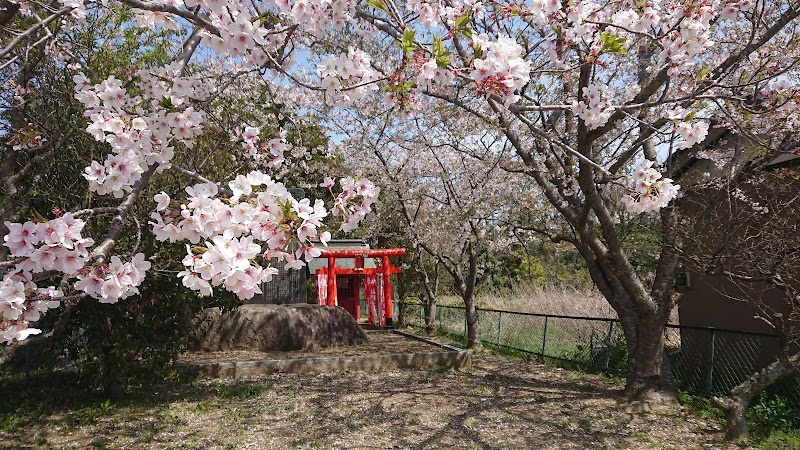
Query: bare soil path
x=498, y=403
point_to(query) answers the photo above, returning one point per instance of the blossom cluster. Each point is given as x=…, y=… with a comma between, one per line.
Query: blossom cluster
x=639, y=21
x=55, y=244
x=648, y=190
x=112, y=282
x=432, y=12
x=269, y=154
x=260, y=218
x=595, y=106
x=429, y=11
x=22, y=303
x=140, y=129
x=692, y=133
x=346, y=77
x=241, y=31
x=37, y=246
x=355, y=201
x=693, y=20
x=27, y=7
x=502, y=70
x=25, y=139
x=430, y=75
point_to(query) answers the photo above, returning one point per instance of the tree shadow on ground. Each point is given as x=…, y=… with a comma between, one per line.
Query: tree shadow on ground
x=495, y=404
x=480, y=400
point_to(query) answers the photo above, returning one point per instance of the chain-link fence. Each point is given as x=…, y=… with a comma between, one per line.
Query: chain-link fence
x=704, y=360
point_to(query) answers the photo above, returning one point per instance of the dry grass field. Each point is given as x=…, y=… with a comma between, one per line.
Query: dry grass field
x=539, y=299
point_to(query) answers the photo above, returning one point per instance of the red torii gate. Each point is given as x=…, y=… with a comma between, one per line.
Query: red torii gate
x=327, y=292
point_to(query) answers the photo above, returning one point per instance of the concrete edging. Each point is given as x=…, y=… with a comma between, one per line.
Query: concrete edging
x=453, y=357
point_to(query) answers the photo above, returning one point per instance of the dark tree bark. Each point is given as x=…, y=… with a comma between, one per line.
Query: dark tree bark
x=735, y=405
x=466, y=284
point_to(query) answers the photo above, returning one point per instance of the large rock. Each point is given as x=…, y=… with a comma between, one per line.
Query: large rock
x=275, y=327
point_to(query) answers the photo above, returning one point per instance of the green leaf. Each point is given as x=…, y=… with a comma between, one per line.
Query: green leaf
x=166, y=103
x=407, y=43
x=38, y=217
x=461, y=25
x=613, y=43
x=379, y=5
x=462, y=21
x=399, y=87
x=440, y=53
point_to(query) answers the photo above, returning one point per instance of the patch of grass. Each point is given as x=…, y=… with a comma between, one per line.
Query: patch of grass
x=469, y=401
x=622, y=443
x=481, y=389
x=701, y=407
x=40, y=394
x=355, y=425
x=90, y=415
x=442, y=368
x=772, y=419
x=242, y=391
x=781, y=440
x=147, y=432
x=173, y=419
x=200, y=407
x=511, y=352
x=40, y=439
x=11, y=423
x=773, y=409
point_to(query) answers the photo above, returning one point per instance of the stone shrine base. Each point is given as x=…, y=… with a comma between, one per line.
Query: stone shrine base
x=383, y=351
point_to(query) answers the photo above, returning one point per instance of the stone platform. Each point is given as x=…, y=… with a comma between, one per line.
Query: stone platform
x=429, y=355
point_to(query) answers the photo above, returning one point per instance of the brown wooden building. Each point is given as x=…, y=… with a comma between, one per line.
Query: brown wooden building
x=715, y=300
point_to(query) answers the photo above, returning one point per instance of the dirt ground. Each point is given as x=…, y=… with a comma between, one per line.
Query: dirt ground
x=498, y=403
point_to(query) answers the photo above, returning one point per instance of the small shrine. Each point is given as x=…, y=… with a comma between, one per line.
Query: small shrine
x=339, y=281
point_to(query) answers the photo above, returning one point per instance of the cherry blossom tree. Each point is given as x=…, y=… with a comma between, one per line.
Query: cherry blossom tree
x=582, y=90
x=146, y=126
x=447, y=184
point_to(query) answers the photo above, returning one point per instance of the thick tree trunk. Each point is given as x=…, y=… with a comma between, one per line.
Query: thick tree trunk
x=735, y=409
x=429, y=308
x=468, y=295
x=400, y=317
x=649, y=377
x=735, y=406
x=473, y=330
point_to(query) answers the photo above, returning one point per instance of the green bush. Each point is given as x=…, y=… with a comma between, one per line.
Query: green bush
x=775, y=409
x=134, y=340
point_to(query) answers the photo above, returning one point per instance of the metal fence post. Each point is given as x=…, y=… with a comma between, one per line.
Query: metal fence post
x=709, y=381
x=608, y=345
x=544, y=336
x=499, y=325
